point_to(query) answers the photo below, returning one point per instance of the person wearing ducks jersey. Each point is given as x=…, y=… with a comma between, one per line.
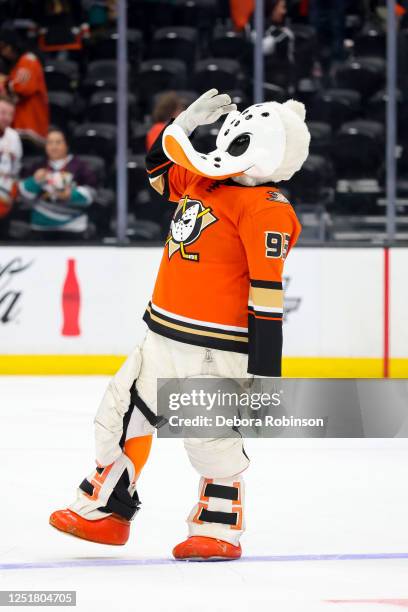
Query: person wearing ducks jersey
x=216, y=310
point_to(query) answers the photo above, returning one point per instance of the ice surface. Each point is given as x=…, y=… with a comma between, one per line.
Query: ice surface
x=305, y=499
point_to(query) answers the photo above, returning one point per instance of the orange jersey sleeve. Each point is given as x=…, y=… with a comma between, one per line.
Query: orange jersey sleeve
x=26, y=77
x=268, y=229
x=169, y=179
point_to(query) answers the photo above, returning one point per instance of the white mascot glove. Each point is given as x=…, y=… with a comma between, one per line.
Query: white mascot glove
x=208, y=108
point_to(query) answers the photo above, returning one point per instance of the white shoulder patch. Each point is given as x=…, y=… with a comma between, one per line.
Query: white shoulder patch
x=277, y=196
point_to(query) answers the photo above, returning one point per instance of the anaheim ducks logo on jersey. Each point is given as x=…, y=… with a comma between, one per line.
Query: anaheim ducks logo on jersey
x=190, y=219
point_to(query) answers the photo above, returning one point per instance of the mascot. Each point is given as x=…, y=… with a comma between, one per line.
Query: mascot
x=216, y=311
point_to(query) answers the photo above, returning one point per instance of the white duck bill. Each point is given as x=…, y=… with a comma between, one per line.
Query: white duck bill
x=214, y=164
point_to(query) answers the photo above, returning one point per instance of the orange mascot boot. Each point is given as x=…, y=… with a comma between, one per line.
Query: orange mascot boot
x=202, y=548
x=107, y=500
x=216, y=522
x=110, y=530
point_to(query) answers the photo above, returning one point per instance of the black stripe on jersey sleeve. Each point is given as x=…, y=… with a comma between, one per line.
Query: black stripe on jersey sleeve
x=266, y=284
x=157, y=162
x=236, y=346
x=260, y=313
x=264, y=346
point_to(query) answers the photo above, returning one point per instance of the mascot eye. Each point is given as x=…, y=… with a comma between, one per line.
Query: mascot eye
x=239, y=145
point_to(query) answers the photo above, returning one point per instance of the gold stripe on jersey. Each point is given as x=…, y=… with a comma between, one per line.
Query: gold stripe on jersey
x=195, y=333
x=191, y=330
x=266, y=298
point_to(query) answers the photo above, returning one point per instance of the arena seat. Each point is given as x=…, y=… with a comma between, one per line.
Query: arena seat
x=370, y=42
x=357, y=196
x=376, y=106
x=353, y=22
x=227, y=42
x=95, y=139
x=314, y=183
x=138, y=137
x=335, y=106
x=137, y=176
x=102, y=69
x=61, y=75
x=148, y=18
x=61, y=104
x=101, y=211
x=100, y=75
x=136, y=173
x=280, y=72
x=178, y=42
x=358, y=149
x=363, y=74
x=274, y=93
x=160, y=75
x=195, y=13
x=306, y=91
x=221, y=73
x=239, y=97
x=97, y=165
x=26, y=29
x=321, y=135
x=305, y=49
x=102, y=107
x=104, y=46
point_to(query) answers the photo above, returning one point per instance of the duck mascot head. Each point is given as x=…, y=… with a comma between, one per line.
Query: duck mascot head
x=267, y=142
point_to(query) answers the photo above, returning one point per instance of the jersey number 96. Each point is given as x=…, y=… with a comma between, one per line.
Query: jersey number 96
x=276, y=245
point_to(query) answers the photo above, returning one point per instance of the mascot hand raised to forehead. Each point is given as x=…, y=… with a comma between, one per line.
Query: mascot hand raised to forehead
x=265, y=143
x=216, y=312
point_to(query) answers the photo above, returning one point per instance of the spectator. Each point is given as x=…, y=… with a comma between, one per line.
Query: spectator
x=100, y=13
x=60, y=13
x=169, y=105
x=278, y=45
x=10, y=161
x=26, y=83
x=241, y=11
x=62, y=25
x=276, y=32
x=61, y=189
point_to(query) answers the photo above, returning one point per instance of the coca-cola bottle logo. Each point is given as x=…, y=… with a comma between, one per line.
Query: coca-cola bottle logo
x=71, y=302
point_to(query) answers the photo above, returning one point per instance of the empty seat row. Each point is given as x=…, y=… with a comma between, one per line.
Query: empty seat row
x=152, y=77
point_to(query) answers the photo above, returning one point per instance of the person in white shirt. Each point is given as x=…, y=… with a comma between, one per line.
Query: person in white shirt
x=10, y=157
x=276, y=32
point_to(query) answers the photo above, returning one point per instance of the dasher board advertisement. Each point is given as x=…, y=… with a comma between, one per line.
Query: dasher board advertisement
x=89, y=301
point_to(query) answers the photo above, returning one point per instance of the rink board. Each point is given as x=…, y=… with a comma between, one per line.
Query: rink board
x=335, y=301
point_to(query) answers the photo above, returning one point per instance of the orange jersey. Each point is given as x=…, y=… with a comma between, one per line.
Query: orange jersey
x=220, y=280
x=27, y=81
